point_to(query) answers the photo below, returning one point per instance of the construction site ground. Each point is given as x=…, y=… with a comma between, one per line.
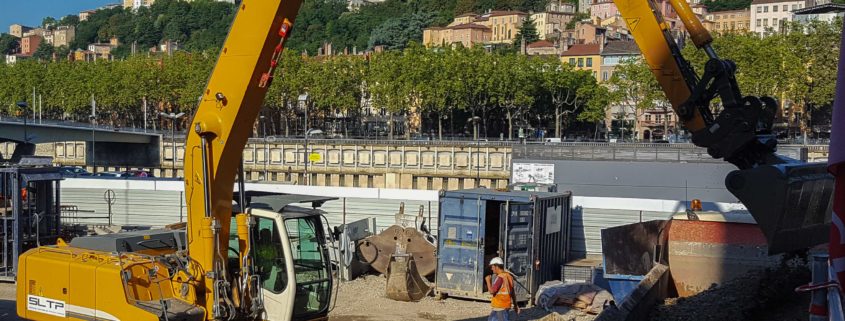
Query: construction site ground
x=363, y=300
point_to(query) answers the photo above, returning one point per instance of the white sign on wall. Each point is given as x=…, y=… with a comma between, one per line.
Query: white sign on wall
x=533, y=173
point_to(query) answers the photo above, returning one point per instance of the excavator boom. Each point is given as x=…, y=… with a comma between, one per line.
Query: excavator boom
x=228, y=108
x=790, y=201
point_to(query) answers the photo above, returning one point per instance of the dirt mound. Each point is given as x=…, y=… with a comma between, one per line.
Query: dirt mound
x=761, y=295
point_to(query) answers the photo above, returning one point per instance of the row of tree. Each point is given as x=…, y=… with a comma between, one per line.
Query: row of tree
x=416, y=88
x=797, y=66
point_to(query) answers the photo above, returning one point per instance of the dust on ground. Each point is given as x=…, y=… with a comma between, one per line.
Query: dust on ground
x=363, y=299
x=7, y=302
x=761, y=295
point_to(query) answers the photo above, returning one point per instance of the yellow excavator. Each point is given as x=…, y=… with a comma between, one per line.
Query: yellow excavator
x=270, y=262
x=237, y=259
x=790, y=200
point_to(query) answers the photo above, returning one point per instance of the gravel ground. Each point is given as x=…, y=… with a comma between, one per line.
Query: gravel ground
x=7, y=302
x=363, y=299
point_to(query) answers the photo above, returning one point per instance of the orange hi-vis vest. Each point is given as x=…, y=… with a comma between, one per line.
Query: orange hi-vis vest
x=502, y=299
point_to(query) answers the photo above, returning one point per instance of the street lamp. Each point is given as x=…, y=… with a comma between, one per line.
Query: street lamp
x=475, y=120
x=93, y=119
x=172, y=117
x=24, y=108
x=303, y=103
x=264, y=137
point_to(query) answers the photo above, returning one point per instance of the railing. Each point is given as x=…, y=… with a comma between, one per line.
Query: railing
x=612, y=152
x=82, y=125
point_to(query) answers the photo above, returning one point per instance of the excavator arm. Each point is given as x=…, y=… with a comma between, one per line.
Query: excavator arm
x=791, y=201
x=228, y=108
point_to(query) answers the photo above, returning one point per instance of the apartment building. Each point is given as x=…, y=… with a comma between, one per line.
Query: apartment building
x=18, y=30
x=550, y=23
x=504, y=24
x=29, y=44
x=61, y=36
x=584, y=57
x=729, y=21
x=468, y=35
x=771, y=15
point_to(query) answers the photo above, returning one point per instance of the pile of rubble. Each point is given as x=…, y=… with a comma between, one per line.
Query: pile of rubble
x=761, y=295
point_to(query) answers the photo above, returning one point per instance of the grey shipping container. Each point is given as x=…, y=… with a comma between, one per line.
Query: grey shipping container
x=529, y=230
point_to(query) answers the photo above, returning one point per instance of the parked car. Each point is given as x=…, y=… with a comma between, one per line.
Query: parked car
x=107, y=174
x=137, y=173
x=73, y=171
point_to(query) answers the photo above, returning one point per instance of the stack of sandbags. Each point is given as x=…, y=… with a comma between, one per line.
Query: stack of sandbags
x=582, y=296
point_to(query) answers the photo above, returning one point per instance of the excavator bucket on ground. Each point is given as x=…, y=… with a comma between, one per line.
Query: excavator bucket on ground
x=404, y=282
x=376, y=250
x=791, y=203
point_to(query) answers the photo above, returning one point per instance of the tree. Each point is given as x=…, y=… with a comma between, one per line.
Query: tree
x=385, y=86
x=634, y=85
x=48, y=22
x=69, y=20
x=8, y=44
x=397, y=32
x=44, y=52
x=527, y=31
x=513, y=85
x=562, y=83
x=598, y=99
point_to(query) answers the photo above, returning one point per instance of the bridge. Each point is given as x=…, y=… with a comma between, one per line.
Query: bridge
x=103, y=145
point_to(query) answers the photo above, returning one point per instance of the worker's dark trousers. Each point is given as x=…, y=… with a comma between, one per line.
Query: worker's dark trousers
x=501, y=315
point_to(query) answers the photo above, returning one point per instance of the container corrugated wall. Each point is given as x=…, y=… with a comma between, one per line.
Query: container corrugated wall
x=552, y=244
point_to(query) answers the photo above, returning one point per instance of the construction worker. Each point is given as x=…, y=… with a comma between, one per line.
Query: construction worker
x=503, y=291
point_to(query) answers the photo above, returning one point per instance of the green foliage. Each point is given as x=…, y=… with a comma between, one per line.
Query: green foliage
x=798, y=68
x=396, y=33
x=722, y=5
x=464, y=6
x=169, y=84
x=198, y=25
x=44, y=51
x=575, y=19
x=48, y=22
x=69, y=20
x=528, y=31
x=633, y=83
x=8, y=44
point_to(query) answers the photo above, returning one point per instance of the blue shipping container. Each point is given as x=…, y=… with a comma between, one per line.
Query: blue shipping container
x=529, y=230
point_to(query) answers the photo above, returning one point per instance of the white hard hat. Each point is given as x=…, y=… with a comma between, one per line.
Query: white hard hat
x=497, y=260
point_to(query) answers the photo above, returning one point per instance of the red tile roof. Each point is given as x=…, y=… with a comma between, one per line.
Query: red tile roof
x=469, y=26
x=540, y=44
x=583, y=50
x=507, y=13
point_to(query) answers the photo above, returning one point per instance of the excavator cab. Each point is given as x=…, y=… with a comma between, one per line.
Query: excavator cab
x=290, y=255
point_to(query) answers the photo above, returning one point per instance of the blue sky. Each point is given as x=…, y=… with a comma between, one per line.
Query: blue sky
x=30, y=12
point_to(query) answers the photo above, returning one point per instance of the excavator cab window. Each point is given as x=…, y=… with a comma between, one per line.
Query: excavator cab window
x=269, y=255
x=311, y=266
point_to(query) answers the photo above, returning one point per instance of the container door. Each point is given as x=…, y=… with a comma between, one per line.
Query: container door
x=460, y=258
x=517, y=242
